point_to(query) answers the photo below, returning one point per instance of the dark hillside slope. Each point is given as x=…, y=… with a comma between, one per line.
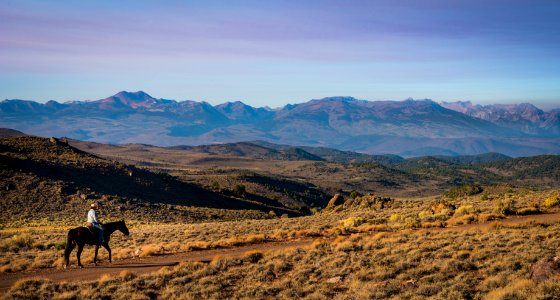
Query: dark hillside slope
x=474, y=159
x=7, y=132
x=539, y=169
x=252, y=150
x=46, y=178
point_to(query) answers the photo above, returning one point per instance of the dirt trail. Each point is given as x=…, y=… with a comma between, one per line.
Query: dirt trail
x=141, y=265
x=154, y=263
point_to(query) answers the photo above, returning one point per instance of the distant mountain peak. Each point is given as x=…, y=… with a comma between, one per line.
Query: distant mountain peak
x=232, y=104
x=339, y=99
x=134, y=96
x=524, y=117
x=125, y=99
x=239, y=111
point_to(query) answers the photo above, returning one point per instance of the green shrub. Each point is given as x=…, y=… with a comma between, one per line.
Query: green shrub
x=239, y=190
x=354, y=194
x=505, y=207
x=464, y=190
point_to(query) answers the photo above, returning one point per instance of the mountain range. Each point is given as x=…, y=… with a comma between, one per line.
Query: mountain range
x=407, y=128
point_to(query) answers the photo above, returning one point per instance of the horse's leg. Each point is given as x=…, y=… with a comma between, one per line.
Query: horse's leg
x=95, y=257
x=69, y=247
x=106, y=246
x=80, y=248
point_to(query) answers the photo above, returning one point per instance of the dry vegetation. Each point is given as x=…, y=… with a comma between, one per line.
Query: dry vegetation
x=398, y=243
x=498, y=263
x=362, y=250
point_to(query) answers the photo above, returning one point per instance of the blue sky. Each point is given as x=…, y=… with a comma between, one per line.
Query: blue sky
x=277, y=52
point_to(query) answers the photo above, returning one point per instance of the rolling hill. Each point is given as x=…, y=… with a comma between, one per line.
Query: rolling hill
x=49, y=179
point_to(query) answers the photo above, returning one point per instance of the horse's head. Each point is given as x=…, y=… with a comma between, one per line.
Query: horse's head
x=123, y=228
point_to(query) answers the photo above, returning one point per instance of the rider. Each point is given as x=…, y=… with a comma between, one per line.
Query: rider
x=94, y=220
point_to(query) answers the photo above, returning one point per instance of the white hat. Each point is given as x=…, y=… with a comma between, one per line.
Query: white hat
x=93, y=205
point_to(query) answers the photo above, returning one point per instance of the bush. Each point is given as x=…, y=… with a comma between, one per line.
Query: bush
x=352, y=222
x=395, y=218
x=443, y=208
x=505, y=207
x=354, y=194
x=411, y=222
x=464, y=190
x=425, y=215
x=465, y=210
x=552, y=201
x=239, y=190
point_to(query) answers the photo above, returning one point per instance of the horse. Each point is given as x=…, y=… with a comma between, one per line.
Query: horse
x=81, y=236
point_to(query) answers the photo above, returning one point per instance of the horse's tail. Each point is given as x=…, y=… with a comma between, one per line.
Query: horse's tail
x=69, y=247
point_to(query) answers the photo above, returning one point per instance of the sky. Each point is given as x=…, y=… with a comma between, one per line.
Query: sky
x=270, y=53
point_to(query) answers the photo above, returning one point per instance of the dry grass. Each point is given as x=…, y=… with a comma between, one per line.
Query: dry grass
x=395, y=252
x=417, y=264
x=28, y=248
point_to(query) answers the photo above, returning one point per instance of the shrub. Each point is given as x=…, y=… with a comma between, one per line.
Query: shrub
x=354, y=194
x=464, y=190
x=552, y=201
x=395, y=218
x=505, y=207
x=411, y=222
x=253, y=256
x=465, y=210
x=239, y=190
x=443, y=208
x=352, y=222
x=425, y=214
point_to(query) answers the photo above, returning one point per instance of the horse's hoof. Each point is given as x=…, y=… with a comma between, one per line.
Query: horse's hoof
x=81, y=267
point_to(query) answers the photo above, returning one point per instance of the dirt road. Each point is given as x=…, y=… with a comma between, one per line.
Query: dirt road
x=150, y=264
x=141, y=265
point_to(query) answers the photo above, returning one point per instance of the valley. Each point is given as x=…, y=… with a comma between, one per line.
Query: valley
x=215, y=212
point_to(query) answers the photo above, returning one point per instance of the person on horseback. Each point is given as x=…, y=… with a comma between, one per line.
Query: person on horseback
x=93, y=219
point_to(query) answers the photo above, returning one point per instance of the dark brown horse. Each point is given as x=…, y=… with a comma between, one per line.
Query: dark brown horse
x=82, y=235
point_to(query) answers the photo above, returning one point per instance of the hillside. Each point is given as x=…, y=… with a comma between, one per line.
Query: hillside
x=331, y=171
x=49, y=179
x=405, y=128
x=7, y=132
x=252, y=150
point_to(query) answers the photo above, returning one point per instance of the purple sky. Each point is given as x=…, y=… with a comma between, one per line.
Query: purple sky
x=277, y=52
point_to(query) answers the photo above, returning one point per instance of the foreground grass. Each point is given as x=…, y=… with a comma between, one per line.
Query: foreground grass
x=28, y=248
x=497, y=263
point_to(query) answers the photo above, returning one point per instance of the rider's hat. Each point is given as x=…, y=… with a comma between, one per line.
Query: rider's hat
x=93, y=205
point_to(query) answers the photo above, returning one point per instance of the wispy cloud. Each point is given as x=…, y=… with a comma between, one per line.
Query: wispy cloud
x=407, y=40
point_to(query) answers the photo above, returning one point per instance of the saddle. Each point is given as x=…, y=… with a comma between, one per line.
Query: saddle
x=90, y=226
x=93, y=230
